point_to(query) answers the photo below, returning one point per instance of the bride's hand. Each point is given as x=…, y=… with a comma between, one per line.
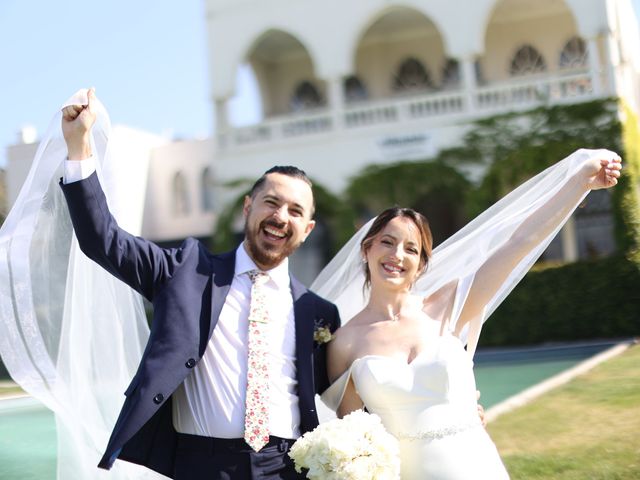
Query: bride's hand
x=77, y=121
x=603, y=171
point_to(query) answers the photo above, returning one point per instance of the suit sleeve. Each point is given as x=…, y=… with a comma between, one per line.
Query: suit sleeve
x=321, y=374
x=139, y=263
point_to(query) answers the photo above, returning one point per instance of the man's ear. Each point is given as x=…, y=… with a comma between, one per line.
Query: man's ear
x=246, y=206
x=307, y=231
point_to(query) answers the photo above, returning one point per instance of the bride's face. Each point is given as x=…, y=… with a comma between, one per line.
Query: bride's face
x=394, y=255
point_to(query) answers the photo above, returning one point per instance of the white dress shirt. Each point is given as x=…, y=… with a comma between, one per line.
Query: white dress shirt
x=211, y=400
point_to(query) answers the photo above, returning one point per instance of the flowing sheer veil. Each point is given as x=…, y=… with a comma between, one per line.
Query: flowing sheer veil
x=455, y=262
x=70, y=334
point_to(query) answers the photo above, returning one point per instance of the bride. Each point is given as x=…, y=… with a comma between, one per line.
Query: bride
x=402, y=356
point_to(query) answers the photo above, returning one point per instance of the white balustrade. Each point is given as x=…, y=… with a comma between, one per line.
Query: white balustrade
x=495, y=98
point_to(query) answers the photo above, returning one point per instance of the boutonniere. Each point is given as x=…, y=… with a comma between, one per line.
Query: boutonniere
x=321, y=333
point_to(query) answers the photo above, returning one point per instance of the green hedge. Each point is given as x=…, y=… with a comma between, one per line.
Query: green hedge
x=579, y=301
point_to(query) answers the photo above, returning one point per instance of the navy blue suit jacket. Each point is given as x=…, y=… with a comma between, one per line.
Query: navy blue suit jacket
x=187, y=287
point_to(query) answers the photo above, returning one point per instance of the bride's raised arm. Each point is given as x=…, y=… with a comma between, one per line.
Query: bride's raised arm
x=598, y=171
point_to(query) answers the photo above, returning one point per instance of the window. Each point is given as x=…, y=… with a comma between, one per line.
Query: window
x=306, y=97
x=527, y=61
x=574, y=54
x=181, y=206
x=207, y=193
x=354, y=89
x=412, y=76
x=450, y=74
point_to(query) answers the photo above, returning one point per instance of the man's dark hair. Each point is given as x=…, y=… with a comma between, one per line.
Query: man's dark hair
x=288, y=170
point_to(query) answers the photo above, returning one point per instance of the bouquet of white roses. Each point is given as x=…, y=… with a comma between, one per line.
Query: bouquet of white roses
x=356, y=447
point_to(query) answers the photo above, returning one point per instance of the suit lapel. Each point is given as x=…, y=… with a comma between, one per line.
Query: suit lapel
x=303, y=312
x=221, y=278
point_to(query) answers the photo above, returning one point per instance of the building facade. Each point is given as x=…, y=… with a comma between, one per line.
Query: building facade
x=343, y=85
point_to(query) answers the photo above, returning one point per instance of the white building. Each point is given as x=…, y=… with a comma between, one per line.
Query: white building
x=348, y=84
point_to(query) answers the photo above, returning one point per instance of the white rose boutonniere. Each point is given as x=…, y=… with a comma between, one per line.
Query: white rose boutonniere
x=356, y=447
x=321, y=333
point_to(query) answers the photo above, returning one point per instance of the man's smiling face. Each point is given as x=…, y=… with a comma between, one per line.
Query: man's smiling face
x=277, y=219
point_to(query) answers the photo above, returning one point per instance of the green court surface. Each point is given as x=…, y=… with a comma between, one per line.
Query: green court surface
x=28, y=434
x=27, y=441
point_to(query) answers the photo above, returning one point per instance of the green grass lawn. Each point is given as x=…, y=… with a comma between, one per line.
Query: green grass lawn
x=587, y=429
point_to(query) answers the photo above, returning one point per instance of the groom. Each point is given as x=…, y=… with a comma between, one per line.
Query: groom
x=228, y=377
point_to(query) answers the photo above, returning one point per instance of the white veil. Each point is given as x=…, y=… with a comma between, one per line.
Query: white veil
x=71, y=334
x=456, y=261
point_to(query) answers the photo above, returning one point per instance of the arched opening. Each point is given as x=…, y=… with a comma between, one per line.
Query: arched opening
x=399, y=52
x=527, y=61
x=451, y=74
x=573, y=54
x=306, y=96
x=354, y=89
x=524, y=37
x=281, y=63
x=412, y=77
x=245, y=107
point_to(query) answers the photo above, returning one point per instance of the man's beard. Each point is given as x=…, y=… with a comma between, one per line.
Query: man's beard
x=266, y=255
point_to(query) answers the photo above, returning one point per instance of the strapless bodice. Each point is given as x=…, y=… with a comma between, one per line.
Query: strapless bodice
x=435, y=391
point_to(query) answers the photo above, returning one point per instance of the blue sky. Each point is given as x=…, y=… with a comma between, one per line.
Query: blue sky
x=146, y=58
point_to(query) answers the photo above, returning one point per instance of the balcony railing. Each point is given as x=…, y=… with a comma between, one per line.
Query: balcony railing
x=484, y=100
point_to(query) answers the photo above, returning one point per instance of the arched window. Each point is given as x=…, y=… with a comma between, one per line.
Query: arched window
x=450, y=74
x=181, y=206
x=207, y=190
x=354, y=89
x=306, y=97
x=574, y=54
x=412, y=76
x=526, y=61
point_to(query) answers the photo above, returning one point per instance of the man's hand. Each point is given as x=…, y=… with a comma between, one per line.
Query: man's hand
x=77, y=121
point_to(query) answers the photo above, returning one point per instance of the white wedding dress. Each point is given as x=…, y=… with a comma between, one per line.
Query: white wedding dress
x=429, y=406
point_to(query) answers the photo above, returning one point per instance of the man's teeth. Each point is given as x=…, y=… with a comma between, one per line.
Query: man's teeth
x=275, y=233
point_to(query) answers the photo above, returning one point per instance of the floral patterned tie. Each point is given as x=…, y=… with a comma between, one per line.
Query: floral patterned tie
x=256, y=417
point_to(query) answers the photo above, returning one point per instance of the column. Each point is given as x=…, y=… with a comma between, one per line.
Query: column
x=469, y=82
x=335, y=89
x=594, y=65
x=612, y=59
x=222, y=124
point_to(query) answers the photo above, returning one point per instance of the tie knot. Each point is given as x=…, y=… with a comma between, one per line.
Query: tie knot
x=258, y=277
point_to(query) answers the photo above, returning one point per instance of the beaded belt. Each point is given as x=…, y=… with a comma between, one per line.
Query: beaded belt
x=439, y=433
